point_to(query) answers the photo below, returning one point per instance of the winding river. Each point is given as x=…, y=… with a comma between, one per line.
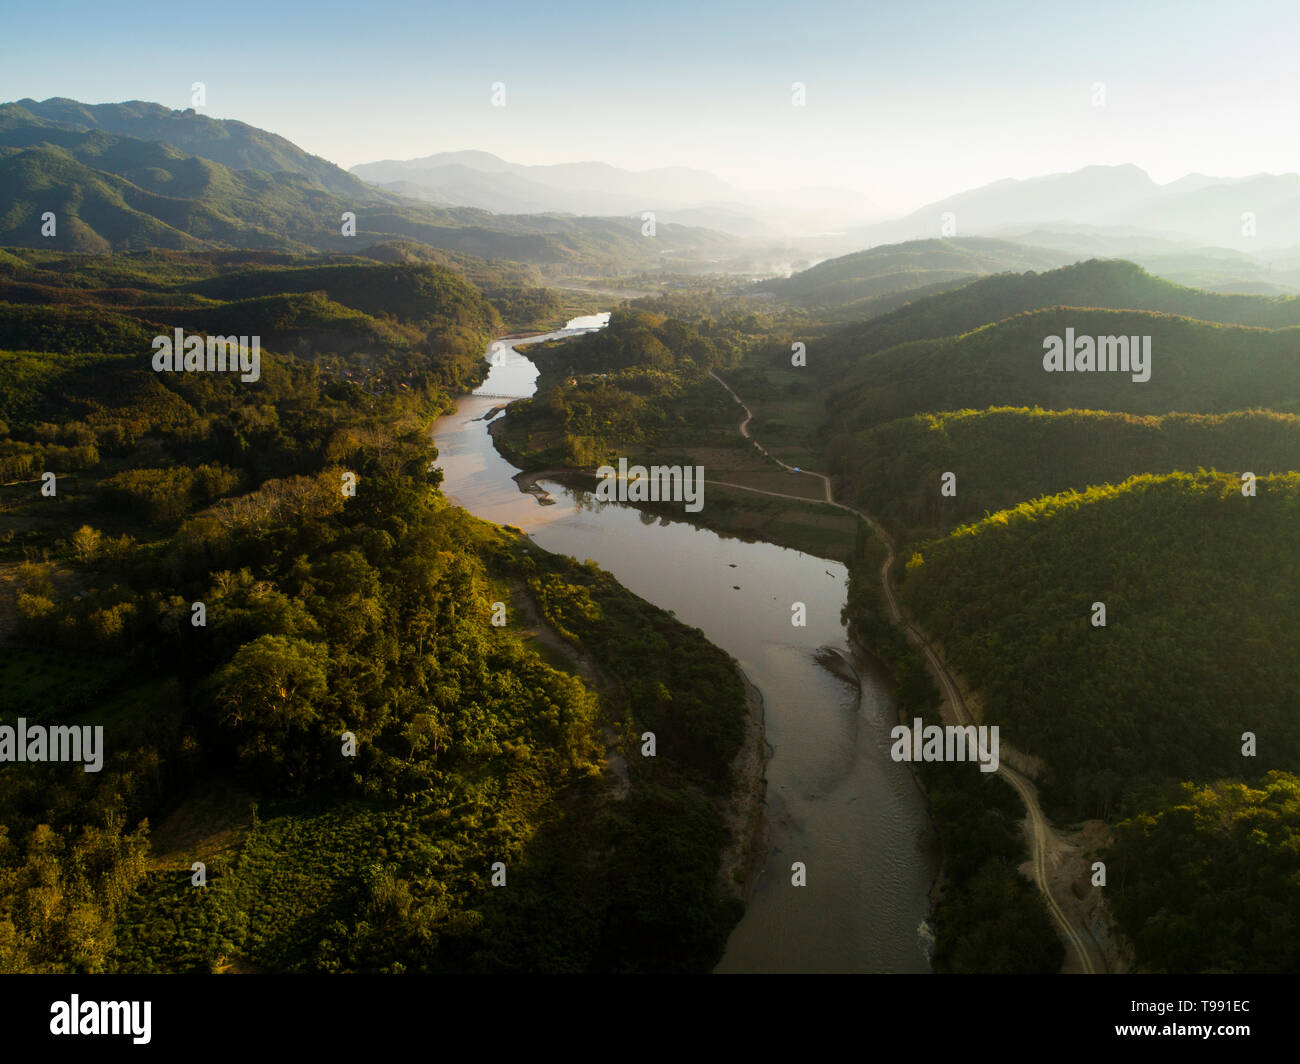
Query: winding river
x=835, y=799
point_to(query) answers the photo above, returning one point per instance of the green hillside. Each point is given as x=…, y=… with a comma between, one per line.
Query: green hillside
x=1196, y=367
x=114, y=192
x=158, y=278
x=233, y=144
x=1105, y=283
x=1005, y=455
x=914, y=266
x=168, y=201
x=412, y=294
x=1201, y=587
x=326, y=612
x=400, y=320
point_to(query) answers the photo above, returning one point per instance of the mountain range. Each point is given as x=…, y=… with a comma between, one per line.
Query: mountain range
x=1117, y=202
x=1203, y=229
x=137, y=174
x=676, y=193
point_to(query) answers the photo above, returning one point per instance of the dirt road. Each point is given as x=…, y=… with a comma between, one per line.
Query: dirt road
x=1044, y=842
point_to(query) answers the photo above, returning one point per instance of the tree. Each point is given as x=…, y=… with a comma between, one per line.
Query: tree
x=85, y=543
x=270, y=694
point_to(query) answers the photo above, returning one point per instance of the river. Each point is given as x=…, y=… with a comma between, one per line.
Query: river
x=835, y=799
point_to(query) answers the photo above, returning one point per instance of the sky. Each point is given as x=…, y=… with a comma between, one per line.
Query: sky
x=904, y=102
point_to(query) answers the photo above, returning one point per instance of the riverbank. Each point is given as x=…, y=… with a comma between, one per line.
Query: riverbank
x=745, y=811
x=804, y=776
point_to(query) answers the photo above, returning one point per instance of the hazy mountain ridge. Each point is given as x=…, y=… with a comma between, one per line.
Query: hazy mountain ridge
x=676, y=193
x=1248, y=213
x=112, y=192
x=234, y=144
x=667, y=186
x=1100, y=283
x=849, y=280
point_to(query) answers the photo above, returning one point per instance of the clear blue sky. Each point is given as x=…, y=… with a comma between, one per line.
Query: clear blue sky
x=906, y=101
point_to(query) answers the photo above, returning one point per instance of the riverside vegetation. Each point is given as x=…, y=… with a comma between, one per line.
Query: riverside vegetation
x=372, y=614
x=323, y=613
x=1071, y=489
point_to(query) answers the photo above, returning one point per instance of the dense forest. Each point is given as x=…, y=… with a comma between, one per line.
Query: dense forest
x=1071, y=490
x=1199, y=583
x=288, y=636
x=1207, y=880
x=1005, y=455
x=1107, y=283
x=640, y=387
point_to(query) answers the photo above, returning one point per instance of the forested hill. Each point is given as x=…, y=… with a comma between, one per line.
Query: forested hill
x=1003, y=456
x=111, y=191
x=1106, y=283
x=358, y=320
x=390, y=288
x=292, y=644
x=1172, y=714
x=1196, y=367
x=233, y=144
x=1201, y=587
x=917, y=265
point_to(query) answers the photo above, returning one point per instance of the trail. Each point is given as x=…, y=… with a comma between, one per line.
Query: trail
x=1042, y=835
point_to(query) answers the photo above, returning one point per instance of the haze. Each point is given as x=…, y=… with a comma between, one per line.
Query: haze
x=939, y=97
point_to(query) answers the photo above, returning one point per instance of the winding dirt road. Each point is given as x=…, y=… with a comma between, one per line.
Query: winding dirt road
x=1042, y=835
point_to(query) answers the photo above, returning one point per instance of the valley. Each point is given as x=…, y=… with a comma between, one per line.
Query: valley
x=459, y=565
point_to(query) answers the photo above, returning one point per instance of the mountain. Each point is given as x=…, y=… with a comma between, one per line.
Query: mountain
x=1097, y=283
x=1121, y=202
x=112, y=191
x=906, y=267
x=1091, y=195
x=233, y=144
x=480, y=179
x=676, y=194
x=1195, y=367
x=175, y=201
x=1269, y=204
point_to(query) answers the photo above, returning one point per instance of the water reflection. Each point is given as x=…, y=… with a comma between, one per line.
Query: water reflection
x=835, y=799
